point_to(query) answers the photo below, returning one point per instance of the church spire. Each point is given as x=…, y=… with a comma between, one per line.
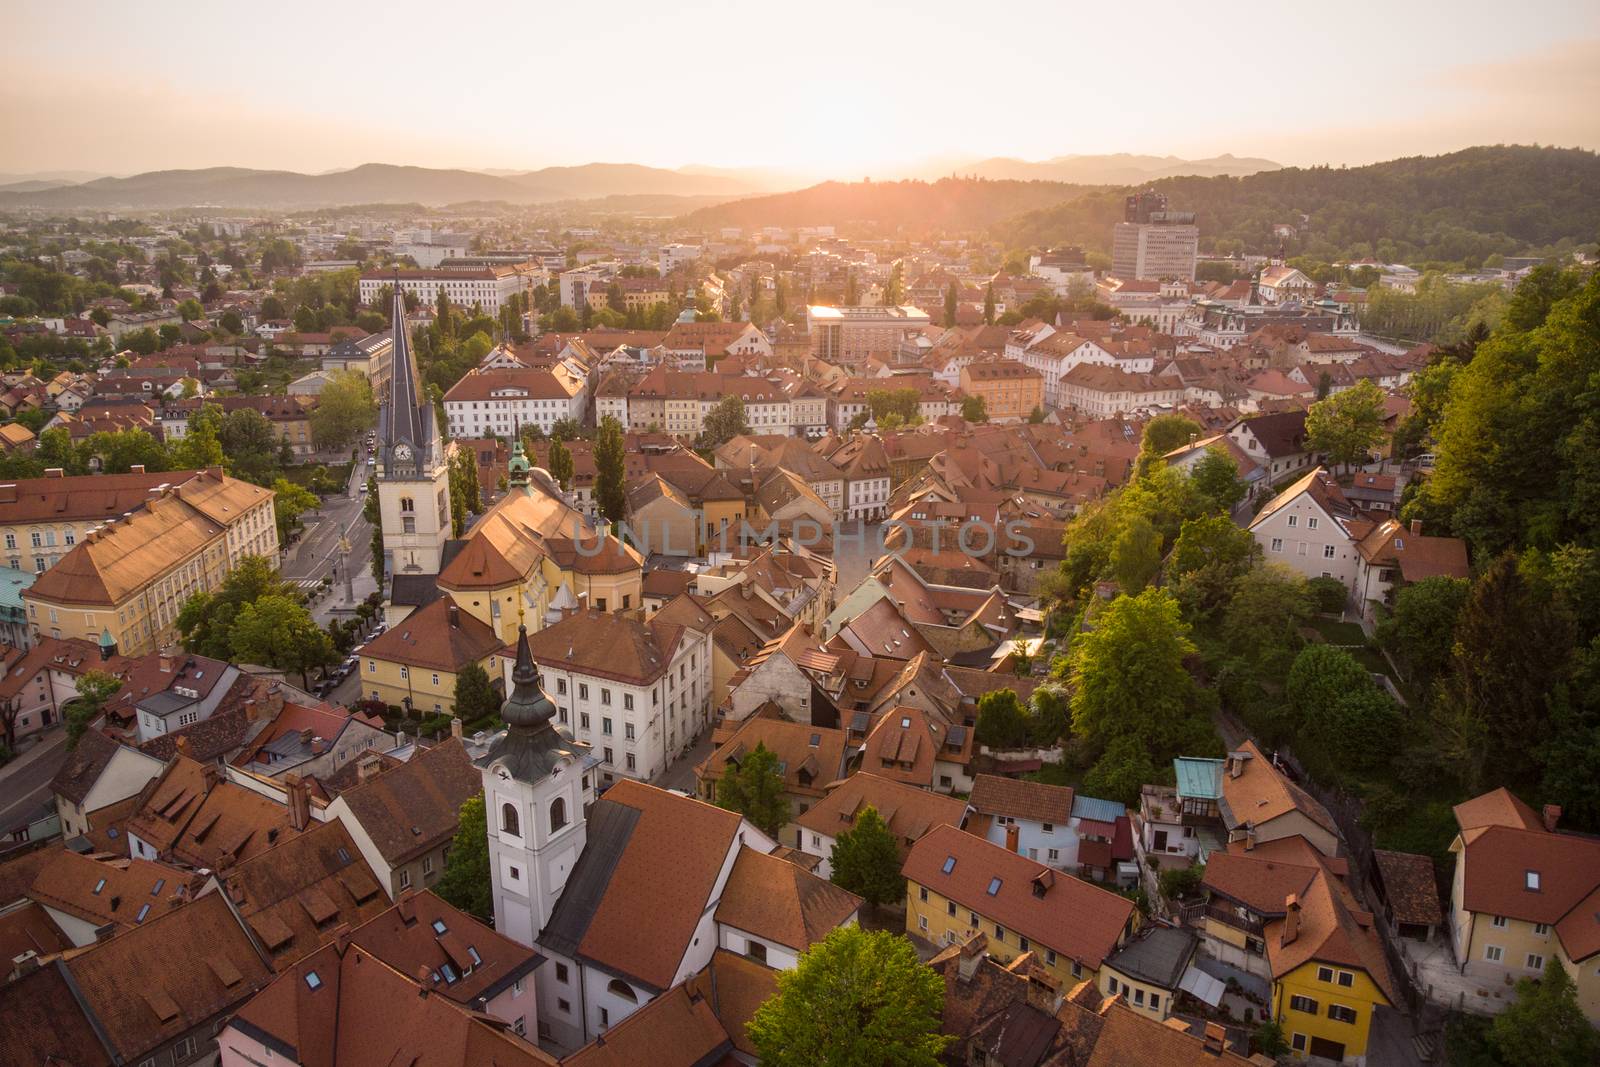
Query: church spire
x=406, y=422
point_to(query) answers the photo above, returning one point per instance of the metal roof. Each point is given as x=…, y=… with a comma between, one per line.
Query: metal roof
x=609, y=827
x=1199, y=777
x=1106, y=811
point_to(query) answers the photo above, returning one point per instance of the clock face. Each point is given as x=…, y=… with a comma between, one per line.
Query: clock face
x=402, y=452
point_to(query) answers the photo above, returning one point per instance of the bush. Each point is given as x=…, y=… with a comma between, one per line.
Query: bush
x=1179, y=884
x=1328, y=594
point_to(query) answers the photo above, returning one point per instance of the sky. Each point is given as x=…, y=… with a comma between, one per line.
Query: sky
x=877, y=88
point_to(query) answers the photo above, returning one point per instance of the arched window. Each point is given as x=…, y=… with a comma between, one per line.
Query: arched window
x=406, y=504
x=509, y=823
x=622, y=989
x=558, y=813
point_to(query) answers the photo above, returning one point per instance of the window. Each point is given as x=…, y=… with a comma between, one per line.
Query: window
x=950, y=908
x=619, y=988
x=1054, y=854
x=1347, y=979
x=922, y=894
x=1294, y=520
x=519, y=1027
x=999, y=933
x=1341, y=1014
x=313, y=980
x=561, y=687
x=1049, y=827
x=1277, y=544
x=564, y=1006
x=1530, y=880
x=605, y=696
x=1311, y=523
x=1498, y=922
x=558, y=813
x=1305, y=1004
x=1327, y=551
x=583, y=690
x=758, y=952
x=922, y=923
x=509, y=823
x=516, y=875
x=1022, y=943
x=1325, y=974
x=583, y=719
x=1493, y=953
x=1138, y=997
x=1297, y=1042
x=1535, y=962
x=185, y=1049
x=994, y=886
x=608, y=757
x=605, y=723
x=405, y=879
x=627, y=701
x=627, y=730
x=1541, y=929
x=1111, y=986
x=436, y=679
x=1155, y=1001
x=632, y=764
x=949, y=864
x=1050, y=956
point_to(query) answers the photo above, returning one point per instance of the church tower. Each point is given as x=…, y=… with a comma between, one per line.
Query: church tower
x=413, y=478
x=537, y=786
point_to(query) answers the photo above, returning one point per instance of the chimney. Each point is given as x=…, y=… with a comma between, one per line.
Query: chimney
x=405, y=906
x=182, y=743
x=299, y=798
x=1291, y=919
x=455, y=617
x=1216, y=1039
x=367, y=767
x=1416, y=527
x=424, y=980
x=341, y=938
x=306, y=736
x=455, y=727
x=166, y=661
x=209, y=775
x=136, y=468
x=1552, y=815
x=1236, y=764
x=55, y=472
x=971, y=953
x=274, y=699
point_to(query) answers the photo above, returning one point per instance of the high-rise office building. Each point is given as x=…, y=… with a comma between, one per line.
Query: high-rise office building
x=1152, y=242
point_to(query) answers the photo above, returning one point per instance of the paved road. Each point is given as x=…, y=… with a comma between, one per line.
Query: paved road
x=25, y=784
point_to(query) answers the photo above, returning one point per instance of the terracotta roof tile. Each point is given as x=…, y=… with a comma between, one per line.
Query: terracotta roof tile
x=994, y=795
x=774, y=899
x=414, y=808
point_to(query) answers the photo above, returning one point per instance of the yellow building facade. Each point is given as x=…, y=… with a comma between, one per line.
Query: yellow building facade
x=941, y=920
x=1326, y=1009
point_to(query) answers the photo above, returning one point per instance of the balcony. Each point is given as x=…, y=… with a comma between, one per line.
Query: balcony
x=1230, y=917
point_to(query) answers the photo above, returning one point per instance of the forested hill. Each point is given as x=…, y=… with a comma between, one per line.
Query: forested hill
x=1459, y=207
x=951, y=205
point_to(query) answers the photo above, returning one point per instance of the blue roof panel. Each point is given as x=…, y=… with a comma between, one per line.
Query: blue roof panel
x=1200, y=778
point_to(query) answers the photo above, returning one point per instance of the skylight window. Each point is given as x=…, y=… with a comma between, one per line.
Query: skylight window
x=477, y=960
x=143, y=911
x=450, y=975
x=155, y=890
x=1531, y=881
x=313, y=980
x=344, y=854
x=101, y=884
x=905, y=722
x=994, y=886
x=949, y=864
x=438, y=926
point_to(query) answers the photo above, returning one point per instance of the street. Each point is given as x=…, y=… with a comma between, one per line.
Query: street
x=317, y=554
x=25, y=782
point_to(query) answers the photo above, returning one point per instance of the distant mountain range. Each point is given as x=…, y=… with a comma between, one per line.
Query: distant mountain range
x=371, y=183
x=1118, y=169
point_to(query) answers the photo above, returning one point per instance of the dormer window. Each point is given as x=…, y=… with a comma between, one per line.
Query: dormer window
x=1530, y=881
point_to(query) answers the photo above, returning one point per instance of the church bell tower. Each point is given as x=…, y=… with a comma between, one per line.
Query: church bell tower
x=413, y=477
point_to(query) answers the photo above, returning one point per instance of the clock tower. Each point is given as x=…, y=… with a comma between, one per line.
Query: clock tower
x=413, y=477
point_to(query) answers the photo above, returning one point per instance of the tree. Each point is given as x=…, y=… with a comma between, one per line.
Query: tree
x=1135, y=554
x=345, y=410
x=95, y=689
x=723, y=423
x=561, y=464
x=1164, y=433
x=1052, y=715
x=753, y=786
x=1511, y=644
x=1545, y=1026
x=1348, y=425
x=289, y=502
x=476, y=697
x=1346, y=722
x=974, y=409
x=1209, y=555
x=465, y=881
x=250, y=442
x=988, y=305
x=1128, y=678
x=609, y=457
x=1268, y=1040
x=1121, y=771
x=279, y=632
x=191, y=311
x=466, y=497
x=231, y=322
x=950, y=301
x=1002, y=720
x=1216, y=478
x=205, y=619
x=856, y=998
x=866, y=860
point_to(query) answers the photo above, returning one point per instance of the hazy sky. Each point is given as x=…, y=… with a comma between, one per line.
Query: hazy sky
x=855, y=88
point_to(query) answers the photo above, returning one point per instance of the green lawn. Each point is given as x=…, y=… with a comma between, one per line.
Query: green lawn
x=1339, y=633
